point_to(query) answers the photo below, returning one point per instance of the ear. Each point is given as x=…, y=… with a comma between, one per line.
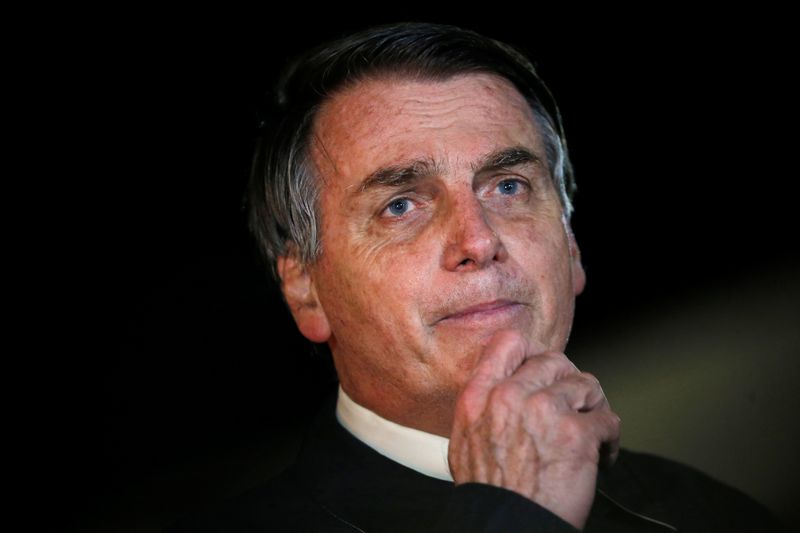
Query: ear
x=301, y=297
x=578, y=274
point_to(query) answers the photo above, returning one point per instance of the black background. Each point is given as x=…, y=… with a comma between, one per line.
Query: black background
x=171, y=346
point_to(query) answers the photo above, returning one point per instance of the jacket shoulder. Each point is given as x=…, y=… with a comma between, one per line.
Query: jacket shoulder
x=688, y=496
x=280, y=504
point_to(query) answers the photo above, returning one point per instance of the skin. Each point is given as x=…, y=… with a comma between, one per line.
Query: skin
x=436, y=292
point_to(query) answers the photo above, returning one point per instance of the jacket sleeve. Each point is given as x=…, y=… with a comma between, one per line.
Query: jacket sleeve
x=480, y=508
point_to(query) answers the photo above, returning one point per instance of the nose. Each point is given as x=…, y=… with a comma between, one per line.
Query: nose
x=472, y=242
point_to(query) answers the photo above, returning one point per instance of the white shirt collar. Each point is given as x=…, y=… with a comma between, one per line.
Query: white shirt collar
x=424, y=452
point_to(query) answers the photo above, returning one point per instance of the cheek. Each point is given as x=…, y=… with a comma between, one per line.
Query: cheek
x=558, y=296
x=373, y=280
x=397, y=267
x=541, y=250
x=371, y=297
x=540, y=240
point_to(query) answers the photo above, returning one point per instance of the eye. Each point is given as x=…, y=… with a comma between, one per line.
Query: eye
x=509, y=187
x=399, y=207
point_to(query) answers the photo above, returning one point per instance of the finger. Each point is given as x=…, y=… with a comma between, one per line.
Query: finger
x=503, y=355
x=544, y=369
x=610, y=437
x=602, y=427
x=580, y=392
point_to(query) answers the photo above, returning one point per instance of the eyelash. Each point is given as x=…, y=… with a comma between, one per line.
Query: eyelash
x=509, y=181
x=386, y=211
x=393, y=202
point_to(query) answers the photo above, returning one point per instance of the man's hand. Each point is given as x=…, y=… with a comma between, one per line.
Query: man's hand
x=531, y=422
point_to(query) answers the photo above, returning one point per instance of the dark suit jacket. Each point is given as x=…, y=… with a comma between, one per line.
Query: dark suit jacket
x=339, y=484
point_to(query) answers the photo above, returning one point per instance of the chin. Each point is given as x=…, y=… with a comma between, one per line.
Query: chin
x=461, y=354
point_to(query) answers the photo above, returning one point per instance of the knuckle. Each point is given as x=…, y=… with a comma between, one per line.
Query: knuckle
x=470, y=403
x=560, y=358
x=540, y=402
x=572, y=428
x=591, y=386
x=558, y=365
x=590, y=378
x=574, y=436
x=615, y=421
x=506, y=394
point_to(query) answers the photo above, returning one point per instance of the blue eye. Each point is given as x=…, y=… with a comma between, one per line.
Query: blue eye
x=399, y=206
x=508, y=187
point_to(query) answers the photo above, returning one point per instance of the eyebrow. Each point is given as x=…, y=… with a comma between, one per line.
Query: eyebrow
x=400, y=175
x=506, y=158
x=405, y=174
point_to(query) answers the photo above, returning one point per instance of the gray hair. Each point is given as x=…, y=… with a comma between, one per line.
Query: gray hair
x=283, y=192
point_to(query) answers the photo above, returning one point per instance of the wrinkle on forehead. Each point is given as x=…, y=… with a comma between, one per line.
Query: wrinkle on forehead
x=444, y=103
x=374, y=113
x=448, y=100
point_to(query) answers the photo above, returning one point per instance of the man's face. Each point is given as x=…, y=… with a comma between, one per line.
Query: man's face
x=440, y=226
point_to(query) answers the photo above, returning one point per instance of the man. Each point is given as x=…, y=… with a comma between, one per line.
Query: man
x=412, y=192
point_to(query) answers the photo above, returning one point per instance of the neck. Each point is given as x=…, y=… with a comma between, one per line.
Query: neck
x=421, y=451
x=432, y=414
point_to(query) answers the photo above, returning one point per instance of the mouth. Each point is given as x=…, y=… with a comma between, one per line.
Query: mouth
x=483, y=314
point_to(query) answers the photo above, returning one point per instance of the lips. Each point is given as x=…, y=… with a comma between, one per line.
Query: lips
x=482, y=312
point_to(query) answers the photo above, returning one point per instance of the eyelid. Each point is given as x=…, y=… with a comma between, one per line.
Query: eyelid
x=497, y=179
x=384, y=211
x=419, y=194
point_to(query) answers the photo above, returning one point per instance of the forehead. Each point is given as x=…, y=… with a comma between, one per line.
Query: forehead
x=380, y=121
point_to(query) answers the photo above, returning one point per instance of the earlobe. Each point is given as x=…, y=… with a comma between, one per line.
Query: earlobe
x=578, y=274
x=301, y=296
